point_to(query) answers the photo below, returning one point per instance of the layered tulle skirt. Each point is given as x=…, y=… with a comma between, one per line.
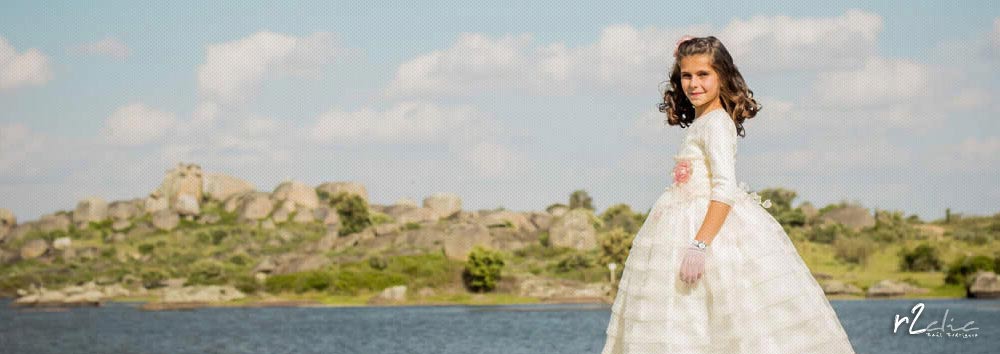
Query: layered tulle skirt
x=756, y=295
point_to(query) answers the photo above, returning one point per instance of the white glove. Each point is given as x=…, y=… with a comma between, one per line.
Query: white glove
x=692, y=265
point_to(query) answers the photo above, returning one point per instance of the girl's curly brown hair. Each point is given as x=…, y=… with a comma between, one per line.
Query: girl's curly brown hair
x=737, y=98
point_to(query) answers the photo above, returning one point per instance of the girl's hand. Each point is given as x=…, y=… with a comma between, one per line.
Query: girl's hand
x=692, y=265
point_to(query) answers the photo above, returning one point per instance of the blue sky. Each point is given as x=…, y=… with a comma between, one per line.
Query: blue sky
x=514, y=105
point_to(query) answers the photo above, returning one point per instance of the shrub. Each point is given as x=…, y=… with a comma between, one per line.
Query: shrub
x=854, y=249
x=281, y=283
x=621, y=215
x=353, y=211
x=580, y=199
x=146, y=248
x=240, y=259
x=411, y=226
x=482, y=270
x=153, y=278
x=351, y=281
x=246, y=283
x=543, y=239
x=959, y=270
x=827, y=233
x=316, y=280
x=574, y=261
x=890, y=227
x=378, y=262
x=218, y=236
x=923, y=258
x=615, y=246
x=206, y=272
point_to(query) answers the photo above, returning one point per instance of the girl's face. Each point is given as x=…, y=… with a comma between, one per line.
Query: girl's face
x=700, y=82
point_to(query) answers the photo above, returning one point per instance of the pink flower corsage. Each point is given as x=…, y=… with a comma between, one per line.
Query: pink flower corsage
x=682, y=171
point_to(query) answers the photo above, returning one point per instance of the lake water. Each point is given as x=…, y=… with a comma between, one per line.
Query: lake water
x=513, y=329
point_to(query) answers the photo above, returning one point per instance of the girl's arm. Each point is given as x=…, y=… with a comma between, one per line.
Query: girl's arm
x=719, y=144
x=716, y=215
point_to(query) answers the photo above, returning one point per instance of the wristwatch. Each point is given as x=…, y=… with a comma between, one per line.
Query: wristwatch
x=699, y=244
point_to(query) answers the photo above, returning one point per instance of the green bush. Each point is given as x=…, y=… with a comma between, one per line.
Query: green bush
x=854, y=249
x=580, y=199
x=352, y=281
x=483, y=269
x=281, y=283
x=615, y=245
x=206, y=272
x=890, y=227
x=827, y=233
x=246, y=284
x=378, y=262
x=218, y=236
x=543, y=238
x=962, y=268
x=621, y=215
x=781, y=206
x=316, y=280
x=353, y=212
x=146, y=248
x=572, y=262
x=152, y=278
x=411, y=226
x=240, y=259
x=923, y=258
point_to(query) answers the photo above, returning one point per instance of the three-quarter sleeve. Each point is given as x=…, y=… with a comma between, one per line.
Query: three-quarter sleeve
x=719, y=144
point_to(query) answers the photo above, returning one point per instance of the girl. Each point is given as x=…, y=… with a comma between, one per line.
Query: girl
x=711, y=271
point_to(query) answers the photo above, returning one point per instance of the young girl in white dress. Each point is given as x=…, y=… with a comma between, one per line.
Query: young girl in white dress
x=710, y=270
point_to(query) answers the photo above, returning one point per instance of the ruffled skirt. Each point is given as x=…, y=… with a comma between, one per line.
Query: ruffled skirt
x=756, y=296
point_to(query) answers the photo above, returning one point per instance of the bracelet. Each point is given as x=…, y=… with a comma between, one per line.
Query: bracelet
x=699, y=244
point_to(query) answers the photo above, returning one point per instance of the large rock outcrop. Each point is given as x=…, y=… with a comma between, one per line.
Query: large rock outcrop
x=575, y=229
x=219, y=187
x=854, y=217
x=301, y=194
x=7, y=222
x=889, y=288
x=444, y=204
x=183, y=179
x=92, y=209
x=985, y=285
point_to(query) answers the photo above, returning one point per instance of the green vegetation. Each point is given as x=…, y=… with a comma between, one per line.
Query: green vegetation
x=940, y=255
x=353, y=212
x=483, y=269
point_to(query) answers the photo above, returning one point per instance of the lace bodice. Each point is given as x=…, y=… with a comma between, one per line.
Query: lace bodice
x=710, y=146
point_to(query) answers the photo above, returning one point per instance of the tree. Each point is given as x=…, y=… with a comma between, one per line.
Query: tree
x=580, y=199
x=353, y=212
x=924, y=258
x=483, y=269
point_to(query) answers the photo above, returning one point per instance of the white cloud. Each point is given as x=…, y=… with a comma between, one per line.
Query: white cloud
x=630, y=60
x=233, y=71
x=22, y=69
x=109, y=46
x=968, y=156
x=18, y=144
x=778, y=43
x=477, y=63
x=404, y=122
x=494, y=160
x=879, y=82
x=135, y=124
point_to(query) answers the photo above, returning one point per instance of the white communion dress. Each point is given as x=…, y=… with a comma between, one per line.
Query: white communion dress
x=756, y=295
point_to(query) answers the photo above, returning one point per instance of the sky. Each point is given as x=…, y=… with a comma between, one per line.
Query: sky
x=507, y=104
